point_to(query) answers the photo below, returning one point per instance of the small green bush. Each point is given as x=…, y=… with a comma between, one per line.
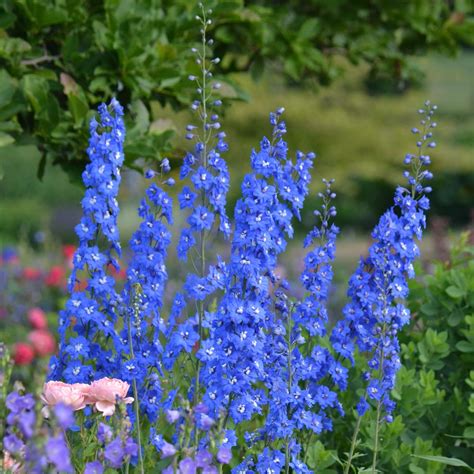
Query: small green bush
x=435, y=386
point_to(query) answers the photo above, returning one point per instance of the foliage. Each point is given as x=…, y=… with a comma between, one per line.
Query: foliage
x=433, y=427
x=440, y=347
x=60, y=58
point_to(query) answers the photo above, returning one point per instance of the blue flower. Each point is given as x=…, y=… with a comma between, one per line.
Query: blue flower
x=375, y=312
x=201, y=219
x=77, y=360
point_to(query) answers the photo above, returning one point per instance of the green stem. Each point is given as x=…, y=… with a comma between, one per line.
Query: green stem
x=353, y=445
x=202, y=255
x=290, y=382
x=137, y=422
x=376, y=442
x=134, y=384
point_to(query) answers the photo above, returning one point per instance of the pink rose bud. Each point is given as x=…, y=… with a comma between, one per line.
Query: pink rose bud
x=37, y=318
x=23, y=354
x=106, y=392
x=60, y=392
x=42, y=341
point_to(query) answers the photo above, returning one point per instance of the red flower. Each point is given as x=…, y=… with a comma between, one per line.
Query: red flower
x=117, y=274
x=31, y=273
x=42, y=341
x=55, y=277
x=37, y=318
x=68, y=254
x=23, y=353
x=68, y=251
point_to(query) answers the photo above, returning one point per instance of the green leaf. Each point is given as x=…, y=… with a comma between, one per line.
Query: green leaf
x=309, y=29
x=469, y=432
x=77, y=101
x=10, y=47
x=42, y=16
x=465, y=346
x=44, y=104
x=455, y=317
x=455, y=292
x=445, y=460
x=6, y=139
x=7, y=88
x=141, y=120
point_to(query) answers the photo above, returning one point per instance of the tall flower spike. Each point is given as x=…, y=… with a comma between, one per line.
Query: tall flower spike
x=204, y=166
x=234, y=356
x=86, y=325
x=205, y=197
x=375, y=312
x=299, y=400
x=143, y=294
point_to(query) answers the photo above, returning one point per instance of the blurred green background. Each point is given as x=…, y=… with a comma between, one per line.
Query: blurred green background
x=350, y=73
x=360, y=139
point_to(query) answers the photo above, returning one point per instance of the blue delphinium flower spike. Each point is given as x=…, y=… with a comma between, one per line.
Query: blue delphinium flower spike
x=376, y=311
x=90, y=313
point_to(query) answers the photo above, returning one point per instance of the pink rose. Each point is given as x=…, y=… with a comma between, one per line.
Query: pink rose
x=23, y=354
x=42, y=341
x=11, y=464
x=59, y=392
x=104, y=394
x=37, y=318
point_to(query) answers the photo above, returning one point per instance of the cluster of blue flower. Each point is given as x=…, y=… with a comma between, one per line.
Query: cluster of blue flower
x=91, y=312
x=253, y=350
x=376, y=313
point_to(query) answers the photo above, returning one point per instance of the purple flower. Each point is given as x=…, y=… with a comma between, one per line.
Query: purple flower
x=167, y=450
x=206, y=422
x=114, y=453
x=26, y=423
x=203, y=458
x=224, y=455
x=35, y=460
x=131, y=448
x=17, y=403
x=104, y=433
x=201, y=408
x=64, y=415
x=94, y=467
x=12, y=443
x=172, y=416
x=57, y=452
x=210, y=470
x=187, y=466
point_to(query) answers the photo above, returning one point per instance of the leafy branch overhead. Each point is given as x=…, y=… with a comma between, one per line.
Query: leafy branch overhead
x=60, y=58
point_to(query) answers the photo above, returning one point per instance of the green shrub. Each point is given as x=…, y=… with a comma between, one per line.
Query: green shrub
x=435, y=386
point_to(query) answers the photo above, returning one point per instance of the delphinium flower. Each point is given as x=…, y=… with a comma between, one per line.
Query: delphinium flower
x=214, y=449
x=113, y=445
x=299, y=398
x=204, y=199
x=86, y=325
x=376, y=312
x=35, y=446
x=143, y=297
x=234, y=356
